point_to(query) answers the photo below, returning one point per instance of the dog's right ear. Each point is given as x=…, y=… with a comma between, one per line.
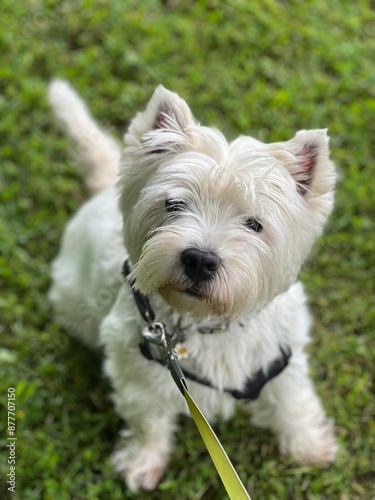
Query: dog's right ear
x=167, y=111
x=164, y=126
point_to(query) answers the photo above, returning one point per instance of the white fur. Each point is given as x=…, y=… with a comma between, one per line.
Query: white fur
x=255, y=293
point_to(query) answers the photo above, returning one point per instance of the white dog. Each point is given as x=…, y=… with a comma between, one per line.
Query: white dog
x=215, y=234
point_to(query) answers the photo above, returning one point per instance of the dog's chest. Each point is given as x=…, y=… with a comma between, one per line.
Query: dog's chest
x=226, y=353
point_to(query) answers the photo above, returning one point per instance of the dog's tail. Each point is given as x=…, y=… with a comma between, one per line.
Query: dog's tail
x=97, y=153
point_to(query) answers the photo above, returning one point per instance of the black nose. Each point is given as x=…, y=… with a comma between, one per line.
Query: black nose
x=199, y=266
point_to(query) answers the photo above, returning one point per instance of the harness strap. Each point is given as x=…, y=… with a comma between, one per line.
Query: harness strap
x=252, y=386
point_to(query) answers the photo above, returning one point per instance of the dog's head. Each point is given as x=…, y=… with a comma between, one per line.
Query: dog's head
x=218, y=228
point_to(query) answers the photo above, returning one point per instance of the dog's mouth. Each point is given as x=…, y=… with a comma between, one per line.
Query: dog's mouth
x=193, y=292
x=192, y=299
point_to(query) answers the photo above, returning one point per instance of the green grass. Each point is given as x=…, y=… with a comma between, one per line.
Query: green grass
x=265, y=69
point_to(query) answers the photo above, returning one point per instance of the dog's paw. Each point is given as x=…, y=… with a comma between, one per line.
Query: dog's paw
x=313, y=446
x=142, y=465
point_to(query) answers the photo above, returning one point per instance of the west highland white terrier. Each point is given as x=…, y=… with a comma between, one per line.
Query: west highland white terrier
x=214, y=235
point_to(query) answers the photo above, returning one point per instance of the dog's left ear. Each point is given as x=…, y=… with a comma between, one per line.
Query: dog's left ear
x=306, y=157
x=164, y=125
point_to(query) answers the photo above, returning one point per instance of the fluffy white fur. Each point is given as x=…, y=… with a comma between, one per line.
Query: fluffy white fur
x=254, y=296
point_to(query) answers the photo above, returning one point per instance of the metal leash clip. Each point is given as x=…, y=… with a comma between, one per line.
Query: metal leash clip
x=156, y=333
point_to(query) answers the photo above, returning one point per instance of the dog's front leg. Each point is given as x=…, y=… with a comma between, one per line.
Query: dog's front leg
x=289, y=406
x=145, y=396
x=143, y=456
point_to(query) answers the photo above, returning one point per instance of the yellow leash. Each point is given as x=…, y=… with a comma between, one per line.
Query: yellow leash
x=224, y=467
x=156, y=333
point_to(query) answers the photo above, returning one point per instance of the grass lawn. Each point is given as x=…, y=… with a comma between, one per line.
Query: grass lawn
x=261, y=68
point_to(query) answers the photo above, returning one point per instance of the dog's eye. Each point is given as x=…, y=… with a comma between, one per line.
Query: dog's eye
x=175, y=205
x=254, y=225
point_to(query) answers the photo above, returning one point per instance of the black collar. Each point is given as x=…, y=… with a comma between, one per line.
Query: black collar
x=141, y=300
x=252, y=386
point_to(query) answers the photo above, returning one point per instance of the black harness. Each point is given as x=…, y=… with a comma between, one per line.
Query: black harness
x=252, y=386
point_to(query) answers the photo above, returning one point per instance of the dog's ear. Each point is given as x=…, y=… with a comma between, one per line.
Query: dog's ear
x=164, y=125
x=306, y=157
x=167, y=111
x=312, y=165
